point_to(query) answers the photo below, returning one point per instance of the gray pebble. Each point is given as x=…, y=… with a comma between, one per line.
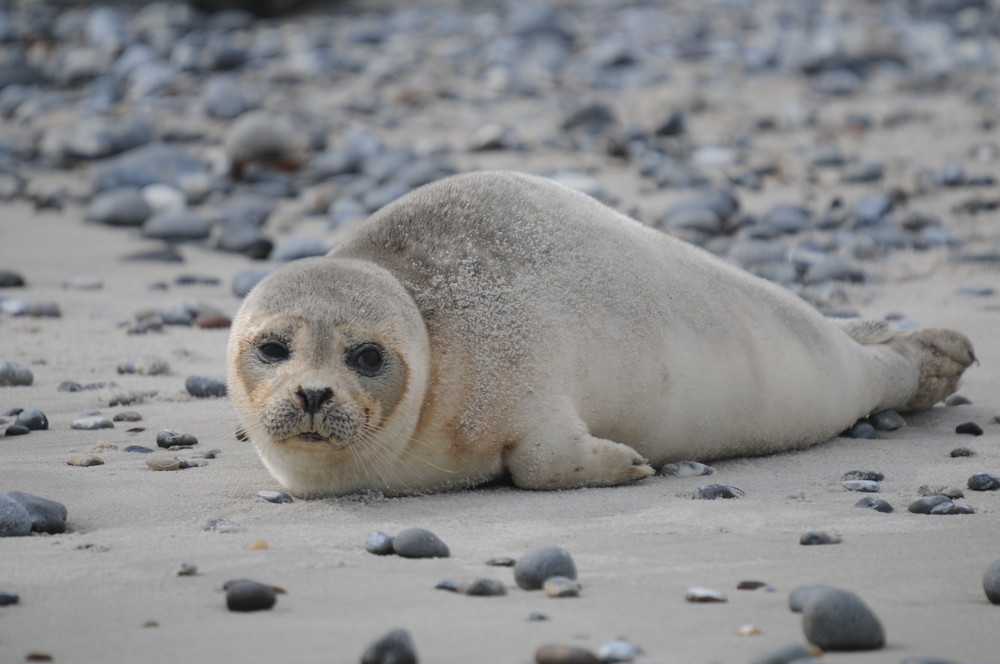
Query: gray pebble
x=119, y=396
x=877, y=504
x=123, y=206
x=949, y=508
x=815, y=537
x=396, y=647
x=970, y=428
x=16, y=430
x=176, y=227
x=957, y=400
x=716, y=491
x=927, y=503
x=202, y=387
x=686, y=469
x=797, y=598
x=147, y=365
x=275, y=496
x=862, y=430
x=869, y=475
x=127, y=416
x=835, y=620
x=379, y=543
x=561, y=586
x=167, y=439
x=8, y=598
x=940, y=490
x=991, y=582
x=32, y=419
x=15, y=521
x=501, y=562
x=419, y=543
x=484, y=588
x=535, y=567
x=139, y=449
x=788, y=654
x=246, y=595
x=92, y=423
x=12, y=373
x=887, y=420
x=619, y=651
x=296, y=248
x=867, y=486
x=871, y=171
x=984, y=482
x=246, y=280
x=69, y=386
x=47, y=516
x=10, y=279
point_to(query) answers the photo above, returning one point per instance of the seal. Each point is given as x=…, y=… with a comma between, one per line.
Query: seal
x=498, y=323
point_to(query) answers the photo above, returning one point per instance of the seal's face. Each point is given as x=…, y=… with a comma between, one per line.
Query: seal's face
x=327, y=366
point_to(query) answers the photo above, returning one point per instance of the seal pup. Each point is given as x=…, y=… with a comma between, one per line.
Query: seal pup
x=497, y=322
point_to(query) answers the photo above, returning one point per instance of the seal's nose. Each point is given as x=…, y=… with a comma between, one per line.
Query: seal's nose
x=312, y=400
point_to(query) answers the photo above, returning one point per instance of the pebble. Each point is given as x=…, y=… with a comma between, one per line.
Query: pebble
x=686, y=469
x=275, y=496
x=887, y=420
x=815, y=537
x=501, y=562
x=10, y=279
x=558, y=654
x=147, y=365
x=962, y=452
x=835, y=620
x=123, y=206
x=246, y=280
x=798, y=597
x=984, y=482
x=14, y=374
x=127, y=416
x=259, y=137
x=379, y=543
x=213, y=321
x=716, y=491
x=865, y=475
x=877, y=504
x=86, y=461
x=796, y=653
x=92, y=423
x=15, y=521
x=958, y=400
x=119, y=396
x=139, y=449
x=534, y=568
x=176, y=227
x=167, y=439
x=619, y=651
x=991, y=582
x=396, y=647
x=419, y=543
x=484, y=588
x=704, y=595
x=940, y=490
x=862, y=431
x=202, y=387
x=32, y=419
x=861, y=485
x=16, y=430
x=246, y=595
x=561, y=586
x=970, y=428
x=9, y=598
x=927, y=503
x=47, y=516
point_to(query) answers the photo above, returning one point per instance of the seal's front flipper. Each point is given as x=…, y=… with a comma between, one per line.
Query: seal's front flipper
x=559, y=453
x=943, y=356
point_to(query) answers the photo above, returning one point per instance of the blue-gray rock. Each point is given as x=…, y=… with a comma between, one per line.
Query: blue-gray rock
x=47, y=516
x=871, y=211
x=870, y=475
x=103, y=137
x=12, y=373
x=951, y=175
x=927, y=503
x=787, y=219
x=225, y=98
x=862, y=430
x=92, y=423
x=721, y=202
x=817, y=538
x=836, y=620
x=244, y=239
x=870, y=171
x=396, y=647
x=147, y=365
x=10, y=279
x=991, y=582
x=958, y=400
x=123, y=206
x=886, y=420
x=202, y=387
x=16, y=430
x=149, y=164
x=139, y=449
x=794, y=652
x=826, y=155
x=247, y=595
x=535, y=567
x=984, y=482
x=832, y=267
x=419, y=543
x=15, y=521
x=866, y=486
x=69, y=386
x=970, y=428
x=877, y=504
x=176, y=227
x=33, y=419
x=296, y=248
x=277, y=497
x=246, y=280
x=619, y=650
x=717, y=491
x=8, y=598
x=379, y=543
x=167, y=438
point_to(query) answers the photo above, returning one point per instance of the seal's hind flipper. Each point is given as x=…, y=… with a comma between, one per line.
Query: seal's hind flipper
x=866, y=331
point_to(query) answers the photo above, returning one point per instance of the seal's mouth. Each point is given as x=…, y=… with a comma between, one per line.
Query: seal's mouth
x=313, y=437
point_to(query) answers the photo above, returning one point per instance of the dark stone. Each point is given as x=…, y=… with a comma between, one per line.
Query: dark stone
x=47, y=516
x=202, y=387
x=970, y=428
x=419, y=543
x=877, y=504
x=396, y=647
x=535, y=567
x=837, y=620
x=246, y=595
x=34, y=420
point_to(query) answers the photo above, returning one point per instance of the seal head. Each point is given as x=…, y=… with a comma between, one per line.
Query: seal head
x=328, y=365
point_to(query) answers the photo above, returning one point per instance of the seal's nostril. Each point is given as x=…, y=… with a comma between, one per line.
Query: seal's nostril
x=312, y=400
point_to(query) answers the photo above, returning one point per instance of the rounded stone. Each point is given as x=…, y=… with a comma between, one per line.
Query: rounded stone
x=886, y=420
x=8, y=598
x=296, y=248
x=176, y=227
x=984, y=482
x=13, y=374
x=867, y=475
x=558, y=654
x=836, y=620
x=16, y=430
x=123, y=206
x=863, y=431
x=793, y=652
x=486, y=588
x=277, y=497
x=379, y=543
x=797, y=598
x=927, y=503
x=866, y=486
x=991, y=582
x=246, y=595
x=246, y=280
x=716, y=491
x=92, y=423
x=167, y=438
x=396, y=647
x=561, y=586
x=147, y=365
x=536, y=567
x=15, y=521
x=970, y=428
x=47, y=516
x=34, y=420
x=419, y=543
x=877, y=504
x=202, y=387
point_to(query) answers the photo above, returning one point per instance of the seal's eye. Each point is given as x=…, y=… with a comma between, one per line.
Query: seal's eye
x=366, y=360
x=273, y=351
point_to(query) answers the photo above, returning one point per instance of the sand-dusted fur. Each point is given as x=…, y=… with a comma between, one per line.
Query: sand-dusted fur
x=523, y=327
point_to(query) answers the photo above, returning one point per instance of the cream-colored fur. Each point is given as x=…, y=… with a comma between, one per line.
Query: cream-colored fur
x=546, y=335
